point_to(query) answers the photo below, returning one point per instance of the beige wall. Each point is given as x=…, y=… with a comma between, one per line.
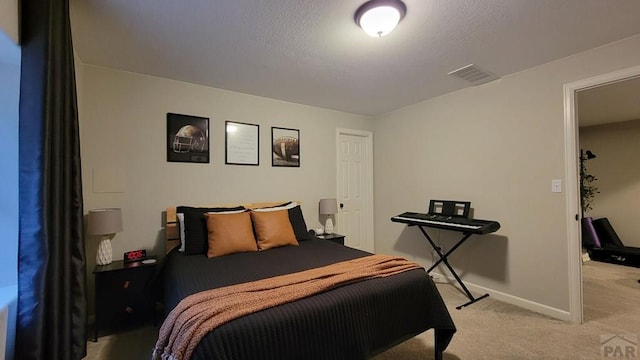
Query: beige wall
x=9, y=22
x=123, y=132
x=498, y=145
x=617, y=147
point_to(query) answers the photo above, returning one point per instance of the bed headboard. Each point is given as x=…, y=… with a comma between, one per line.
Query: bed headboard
x=171, y=227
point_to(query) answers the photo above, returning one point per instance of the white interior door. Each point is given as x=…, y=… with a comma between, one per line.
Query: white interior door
x=355, y=188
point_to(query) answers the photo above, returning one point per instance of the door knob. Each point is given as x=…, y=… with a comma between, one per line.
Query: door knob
x=341, y=205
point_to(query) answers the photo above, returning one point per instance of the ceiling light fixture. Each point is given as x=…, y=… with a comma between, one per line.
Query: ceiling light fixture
x=379, y=17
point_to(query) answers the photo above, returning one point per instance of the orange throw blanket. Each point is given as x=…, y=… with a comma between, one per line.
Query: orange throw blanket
x=198, y=314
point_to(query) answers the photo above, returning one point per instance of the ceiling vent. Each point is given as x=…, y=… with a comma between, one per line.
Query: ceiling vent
x=474, y=74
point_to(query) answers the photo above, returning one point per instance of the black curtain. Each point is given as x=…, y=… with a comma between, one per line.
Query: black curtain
x=52, y=304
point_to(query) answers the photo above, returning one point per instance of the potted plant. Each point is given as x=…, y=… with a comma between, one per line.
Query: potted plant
x=588, y=188
x=588, y=191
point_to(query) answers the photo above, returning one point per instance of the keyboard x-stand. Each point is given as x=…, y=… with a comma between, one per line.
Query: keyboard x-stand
x=466, y=226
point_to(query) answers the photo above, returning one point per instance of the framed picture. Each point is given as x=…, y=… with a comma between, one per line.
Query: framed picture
x=285, y=149
x=187, y=138
x=241, y=141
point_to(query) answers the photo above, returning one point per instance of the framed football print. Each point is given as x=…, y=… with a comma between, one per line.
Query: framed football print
x=285, y=149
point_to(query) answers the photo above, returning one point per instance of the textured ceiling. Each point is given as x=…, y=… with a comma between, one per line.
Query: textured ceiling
x=311, y=52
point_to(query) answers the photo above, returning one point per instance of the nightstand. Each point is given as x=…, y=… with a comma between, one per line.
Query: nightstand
x=124, y=297
x=336, y=238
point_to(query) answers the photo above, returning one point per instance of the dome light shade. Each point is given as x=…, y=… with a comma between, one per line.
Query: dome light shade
x=379, y=17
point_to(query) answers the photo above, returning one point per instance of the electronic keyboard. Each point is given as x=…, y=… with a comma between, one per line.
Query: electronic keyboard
x=454, y=223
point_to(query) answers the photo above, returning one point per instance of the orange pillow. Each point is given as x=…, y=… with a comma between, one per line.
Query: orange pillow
x=273, y=229
x=229, y=233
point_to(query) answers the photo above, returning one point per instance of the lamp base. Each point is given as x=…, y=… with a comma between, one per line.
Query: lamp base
x=104, y=255
x=328, y=226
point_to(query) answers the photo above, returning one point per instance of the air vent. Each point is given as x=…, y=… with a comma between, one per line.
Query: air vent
x=474, y=74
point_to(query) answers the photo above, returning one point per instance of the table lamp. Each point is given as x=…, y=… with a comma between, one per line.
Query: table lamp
x=328, y=207
x=105, y=223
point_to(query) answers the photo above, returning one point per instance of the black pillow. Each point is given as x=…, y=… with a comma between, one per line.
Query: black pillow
x=196, y=239
x=298, y=224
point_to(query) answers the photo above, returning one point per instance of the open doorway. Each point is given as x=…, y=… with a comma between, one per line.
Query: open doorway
x=572, y=93
x=609, y=129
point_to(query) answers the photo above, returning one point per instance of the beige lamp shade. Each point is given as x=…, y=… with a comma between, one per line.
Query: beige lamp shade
x=104, y=221
x=328, y=206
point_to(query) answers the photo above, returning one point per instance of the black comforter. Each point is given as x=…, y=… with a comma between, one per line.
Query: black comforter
x=352, y=322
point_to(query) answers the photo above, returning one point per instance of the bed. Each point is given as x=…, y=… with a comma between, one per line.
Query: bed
x=355, y=321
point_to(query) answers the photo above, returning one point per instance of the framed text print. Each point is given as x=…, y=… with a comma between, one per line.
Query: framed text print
x=241, y=141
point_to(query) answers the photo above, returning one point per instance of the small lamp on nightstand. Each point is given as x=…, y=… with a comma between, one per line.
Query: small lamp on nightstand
x=105, y=223
x=328, y=207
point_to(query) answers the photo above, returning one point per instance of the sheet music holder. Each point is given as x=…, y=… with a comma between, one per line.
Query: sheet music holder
x=449, y=215
x=449, y=208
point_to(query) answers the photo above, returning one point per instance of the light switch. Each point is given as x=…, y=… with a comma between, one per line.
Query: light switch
x=556, y=186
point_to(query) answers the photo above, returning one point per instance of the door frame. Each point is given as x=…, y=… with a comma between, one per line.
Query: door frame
x=368, y=191
x=572, y=153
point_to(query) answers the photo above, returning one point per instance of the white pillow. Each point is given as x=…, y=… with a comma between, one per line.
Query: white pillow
x=228, y=212
x=288, y=206
x=180, y=217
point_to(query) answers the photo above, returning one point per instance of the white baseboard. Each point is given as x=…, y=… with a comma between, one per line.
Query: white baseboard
x=478, y=290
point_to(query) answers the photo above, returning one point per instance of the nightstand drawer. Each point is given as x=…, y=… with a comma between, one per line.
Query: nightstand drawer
x=123, y=295
x=124, y=282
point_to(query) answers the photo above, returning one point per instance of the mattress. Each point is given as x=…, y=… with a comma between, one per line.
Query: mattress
x=356, y=321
